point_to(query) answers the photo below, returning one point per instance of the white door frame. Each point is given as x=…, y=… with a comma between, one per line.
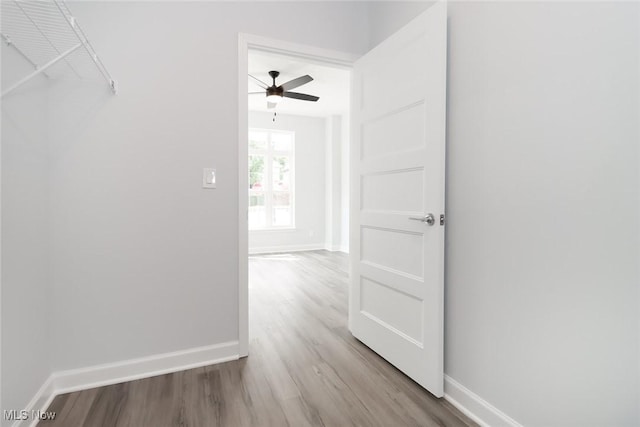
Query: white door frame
x=310, y=54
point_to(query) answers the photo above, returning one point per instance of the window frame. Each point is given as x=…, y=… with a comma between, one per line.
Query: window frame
x=269, y=153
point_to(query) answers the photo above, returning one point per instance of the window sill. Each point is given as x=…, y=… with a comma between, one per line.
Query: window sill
x=270, y=230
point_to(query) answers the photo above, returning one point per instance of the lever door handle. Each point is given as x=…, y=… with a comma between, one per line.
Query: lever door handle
x=428, y=218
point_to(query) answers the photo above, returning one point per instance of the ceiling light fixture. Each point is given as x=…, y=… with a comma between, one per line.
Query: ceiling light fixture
x=274, y=98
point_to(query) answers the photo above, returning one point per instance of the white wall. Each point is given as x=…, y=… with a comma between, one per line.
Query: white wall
x=387, y=17
x=344, y=183
x=542, y=204
x=310, y=142
x=25, y=262
x=334, y=180
x=145, y=260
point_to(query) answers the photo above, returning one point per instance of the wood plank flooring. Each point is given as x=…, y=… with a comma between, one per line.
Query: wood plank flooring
x=304, y=368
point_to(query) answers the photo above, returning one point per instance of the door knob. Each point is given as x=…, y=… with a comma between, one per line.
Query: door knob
x=428, y=218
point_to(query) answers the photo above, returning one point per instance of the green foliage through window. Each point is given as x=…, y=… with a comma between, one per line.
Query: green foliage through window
x=256, y=170
x=271, y=179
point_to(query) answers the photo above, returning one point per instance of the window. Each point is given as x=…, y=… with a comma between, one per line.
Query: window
x=271, y=179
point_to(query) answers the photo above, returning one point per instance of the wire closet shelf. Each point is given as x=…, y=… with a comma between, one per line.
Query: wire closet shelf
x=47, y=36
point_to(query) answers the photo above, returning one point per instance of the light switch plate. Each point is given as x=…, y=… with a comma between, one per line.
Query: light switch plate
x=208, y=178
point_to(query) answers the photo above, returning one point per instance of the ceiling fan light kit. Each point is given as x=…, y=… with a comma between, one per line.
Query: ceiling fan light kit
x=275, y=93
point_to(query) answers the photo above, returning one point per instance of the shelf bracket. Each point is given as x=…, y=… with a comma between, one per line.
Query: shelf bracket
x=41, y=69
x=11, y=43
x=87, y=46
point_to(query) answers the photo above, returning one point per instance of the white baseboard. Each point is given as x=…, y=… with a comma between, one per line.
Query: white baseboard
x=286, y=248
x=40, y=402
x=144, y=367
x=61, y=382
x=475, y=407
x=337, y=248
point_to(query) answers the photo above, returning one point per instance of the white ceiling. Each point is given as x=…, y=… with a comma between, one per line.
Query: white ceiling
x=331, y=84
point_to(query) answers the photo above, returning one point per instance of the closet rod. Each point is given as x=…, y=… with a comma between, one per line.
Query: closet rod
x=43, y=68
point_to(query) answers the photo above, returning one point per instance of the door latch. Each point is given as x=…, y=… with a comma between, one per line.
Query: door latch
x=441, y=219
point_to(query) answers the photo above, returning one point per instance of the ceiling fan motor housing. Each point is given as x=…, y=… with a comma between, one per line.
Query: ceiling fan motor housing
x=275, y=91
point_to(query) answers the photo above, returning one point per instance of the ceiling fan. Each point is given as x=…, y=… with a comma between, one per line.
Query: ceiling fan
x=275, y=93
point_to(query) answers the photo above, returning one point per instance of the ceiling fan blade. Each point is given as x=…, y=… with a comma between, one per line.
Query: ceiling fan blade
x=259, y=82
x=302, y=96
x=271, y=105
x=291, y=84
x=257, y=93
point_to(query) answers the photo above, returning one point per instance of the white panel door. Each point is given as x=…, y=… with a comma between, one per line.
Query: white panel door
x=398, y=152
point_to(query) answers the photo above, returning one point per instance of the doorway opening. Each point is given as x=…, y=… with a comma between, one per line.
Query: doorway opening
x=294, y=165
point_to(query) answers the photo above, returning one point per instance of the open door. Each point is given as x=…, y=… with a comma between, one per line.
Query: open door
x=397, y=214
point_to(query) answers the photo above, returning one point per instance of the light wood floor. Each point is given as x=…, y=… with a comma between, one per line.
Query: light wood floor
x=304, y=368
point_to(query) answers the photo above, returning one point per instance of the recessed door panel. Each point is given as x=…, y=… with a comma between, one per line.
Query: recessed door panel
x=393, y=249
x=392, y=309
x=393, y=191
x=401, y=130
